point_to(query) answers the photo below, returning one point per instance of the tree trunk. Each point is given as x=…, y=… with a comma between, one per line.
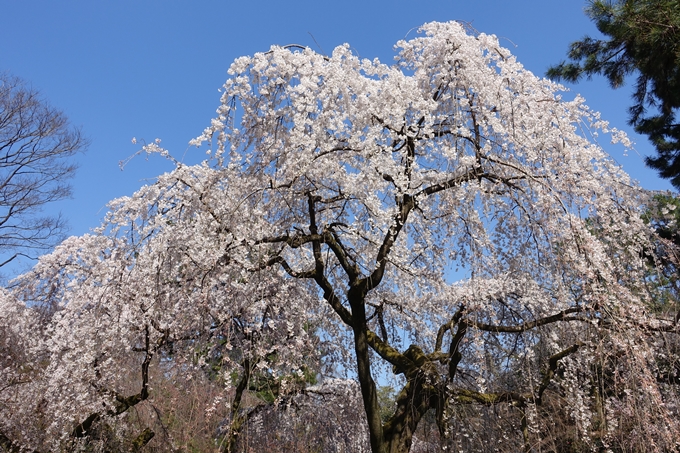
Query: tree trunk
x=237, y=419
x=396, y=436
x=413, y=402
x=369, y=392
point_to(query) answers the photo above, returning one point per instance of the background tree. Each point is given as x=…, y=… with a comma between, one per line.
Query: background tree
x=663, y=214
x=642, y=39
x=36, y=144
x=447, y=219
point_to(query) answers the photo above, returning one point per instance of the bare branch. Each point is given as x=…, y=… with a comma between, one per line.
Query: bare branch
x=36, y=144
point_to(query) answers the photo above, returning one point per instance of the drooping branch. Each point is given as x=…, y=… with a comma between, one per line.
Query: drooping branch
x=122, y=403
x=466, y=396
x=553, y=362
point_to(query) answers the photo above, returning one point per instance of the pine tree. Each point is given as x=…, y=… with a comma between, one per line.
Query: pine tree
x=643, y=39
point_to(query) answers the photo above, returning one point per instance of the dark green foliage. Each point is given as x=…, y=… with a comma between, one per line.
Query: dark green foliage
x=643, y=39
x=387, y=399
x=663, y=214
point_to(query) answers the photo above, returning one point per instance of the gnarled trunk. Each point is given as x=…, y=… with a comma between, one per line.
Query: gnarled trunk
x=414, y=400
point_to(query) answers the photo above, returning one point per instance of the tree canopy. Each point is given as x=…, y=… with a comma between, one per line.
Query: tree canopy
x=448, y=221
x=642, y=39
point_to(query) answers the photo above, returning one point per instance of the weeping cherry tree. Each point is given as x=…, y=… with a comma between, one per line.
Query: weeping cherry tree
x=447, y=221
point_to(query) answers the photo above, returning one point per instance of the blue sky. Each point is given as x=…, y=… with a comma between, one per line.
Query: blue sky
x=151, y=69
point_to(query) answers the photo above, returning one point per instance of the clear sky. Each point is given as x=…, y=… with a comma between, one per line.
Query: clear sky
x=152, y=68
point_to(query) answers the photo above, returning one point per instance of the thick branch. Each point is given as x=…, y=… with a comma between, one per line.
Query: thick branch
x=552, y=367
x=465, y=396
x=122, y=403
x=290, y=271
x=561, y=316
x=470, y=175
x=294, y=241
x=333, y=241
x=142, y=439
x=446, y=327
x=455, y=355
x=237, y=420
x=406, y=205
x=400, y=362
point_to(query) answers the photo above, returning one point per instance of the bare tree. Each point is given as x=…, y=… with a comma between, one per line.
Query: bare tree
x=36, y=143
